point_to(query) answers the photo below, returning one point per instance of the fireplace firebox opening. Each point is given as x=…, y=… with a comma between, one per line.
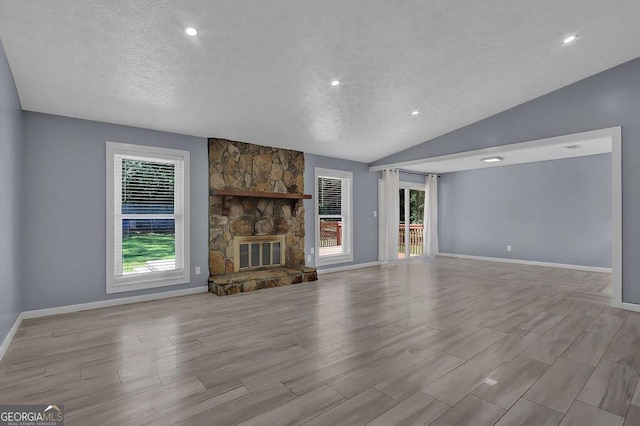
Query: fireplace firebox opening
x=258, y=251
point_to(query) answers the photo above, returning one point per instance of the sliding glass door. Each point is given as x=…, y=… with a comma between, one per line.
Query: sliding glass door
x=411, y=232
x=411, y=226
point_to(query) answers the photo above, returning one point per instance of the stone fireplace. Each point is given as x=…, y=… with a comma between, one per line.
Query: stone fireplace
x=256, y=217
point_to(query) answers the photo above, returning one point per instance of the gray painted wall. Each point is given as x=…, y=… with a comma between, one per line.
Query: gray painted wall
x=64, y=207
x=552, y=211
x=365, y=202
x=410, y=177
x=65, y=203
x=608, y=99
x=10, y=198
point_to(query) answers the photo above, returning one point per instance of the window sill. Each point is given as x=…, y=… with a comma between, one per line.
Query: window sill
x=142, y=283
x=333, y=260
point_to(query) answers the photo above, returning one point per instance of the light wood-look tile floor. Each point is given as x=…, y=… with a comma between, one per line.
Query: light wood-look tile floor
x=443, y=342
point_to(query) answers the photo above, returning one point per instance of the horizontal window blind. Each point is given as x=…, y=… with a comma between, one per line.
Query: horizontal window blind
x=147, y=185
x=329, y=196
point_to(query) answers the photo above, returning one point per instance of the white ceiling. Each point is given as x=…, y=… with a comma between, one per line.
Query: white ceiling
x=524, y=152
x=260, y=71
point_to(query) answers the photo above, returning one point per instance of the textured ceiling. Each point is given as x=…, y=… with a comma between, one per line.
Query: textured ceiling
x=259, y=71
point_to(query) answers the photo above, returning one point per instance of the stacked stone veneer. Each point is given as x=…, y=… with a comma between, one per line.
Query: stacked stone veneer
x=257, y=280
x=248, y=167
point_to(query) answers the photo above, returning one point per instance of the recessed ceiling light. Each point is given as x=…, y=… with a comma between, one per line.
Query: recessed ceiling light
x=492, y=159
x=190, y=31
x=572, y=146
x=569, y=39
x=335, y=83
x=416, y=112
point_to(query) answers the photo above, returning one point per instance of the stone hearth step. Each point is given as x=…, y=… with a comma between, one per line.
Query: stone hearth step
x=243, y=282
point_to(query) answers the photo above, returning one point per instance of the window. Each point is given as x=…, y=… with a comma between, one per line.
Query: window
x=147, y=217
x=333, y=216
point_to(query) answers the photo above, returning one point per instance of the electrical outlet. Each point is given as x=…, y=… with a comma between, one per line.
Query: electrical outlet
x=197, y=270
x=509, y=248
x=312, y=250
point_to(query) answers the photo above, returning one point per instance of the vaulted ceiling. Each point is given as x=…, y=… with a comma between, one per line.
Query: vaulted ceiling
x=260, y=71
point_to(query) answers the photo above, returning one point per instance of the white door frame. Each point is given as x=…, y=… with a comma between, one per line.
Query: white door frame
x=615, y=136
x=616, y=220
x=406, y=186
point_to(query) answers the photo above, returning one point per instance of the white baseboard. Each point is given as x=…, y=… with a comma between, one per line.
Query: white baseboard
x=631, y=306
x=347, y=268
x=9, y=337
x=529, y=262
x=112, y=302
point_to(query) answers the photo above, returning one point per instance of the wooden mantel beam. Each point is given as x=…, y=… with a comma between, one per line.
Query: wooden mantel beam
x=256, y=194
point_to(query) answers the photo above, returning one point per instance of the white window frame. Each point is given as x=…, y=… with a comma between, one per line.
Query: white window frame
x=121, y=283
x=347, y=215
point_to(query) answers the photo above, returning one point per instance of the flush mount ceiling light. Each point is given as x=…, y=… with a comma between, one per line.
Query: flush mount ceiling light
x=492, y=159
x=569, y=39
x=416, y=112
x=190, y=31
x=335, y=83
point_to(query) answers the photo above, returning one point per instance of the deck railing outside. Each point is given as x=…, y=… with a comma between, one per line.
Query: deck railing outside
x=415, y=240
x=331, y=236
